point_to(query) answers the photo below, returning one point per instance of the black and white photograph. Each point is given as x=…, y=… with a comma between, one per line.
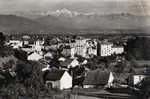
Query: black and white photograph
x=74, y=49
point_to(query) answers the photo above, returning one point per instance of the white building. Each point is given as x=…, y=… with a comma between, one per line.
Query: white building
x=137, y=79
x=39, y=42
x=38, y=48
x=38, y=45
x=117, y=49
x=91, y=47
x=15, y=43
x=107, y=49
x=85, y=47
x=59, y=79
x=82, y=47
x=35, y=56
x=25, y=42
x=81, y=50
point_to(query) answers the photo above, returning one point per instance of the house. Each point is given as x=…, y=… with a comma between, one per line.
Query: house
x=98, y=77
x=59, y=79
x=35, y=56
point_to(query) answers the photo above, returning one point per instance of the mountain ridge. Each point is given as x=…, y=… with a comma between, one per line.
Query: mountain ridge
x=81, y=23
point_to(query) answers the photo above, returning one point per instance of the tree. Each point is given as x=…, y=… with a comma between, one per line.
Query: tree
x=2, y=39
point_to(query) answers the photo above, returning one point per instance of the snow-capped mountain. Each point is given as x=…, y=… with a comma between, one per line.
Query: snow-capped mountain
x=68, y=13
x=65, y=20
x=57, y=13
x=63, y=12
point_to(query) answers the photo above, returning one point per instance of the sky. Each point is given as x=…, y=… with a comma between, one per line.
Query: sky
x=9, y=6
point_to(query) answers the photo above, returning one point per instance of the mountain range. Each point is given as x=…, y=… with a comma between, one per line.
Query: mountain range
x=64, y=20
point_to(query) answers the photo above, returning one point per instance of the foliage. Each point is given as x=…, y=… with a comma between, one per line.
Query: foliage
x=27, y=83
x=2, y=39
x=138, y=48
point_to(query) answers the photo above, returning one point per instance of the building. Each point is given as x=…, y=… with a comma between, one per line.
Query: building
x=81, y=50
x=85, y=47
x=26, y=39
x=82, y=47
x=25, y=42
x=91, y=47
x=107, y=49
x=39, y=42
x=15, y=43
x=35, y=56
x=38, y=46
x=59, y=79
x=138, y=78
x=117, y=49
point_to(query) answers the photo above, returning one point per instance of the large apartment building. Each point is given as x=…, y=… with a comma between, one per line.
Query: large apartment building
x=108, y=48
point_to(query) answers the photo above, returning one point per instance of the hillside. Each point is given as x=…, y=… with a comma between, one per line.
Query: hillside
x=80, y=23
x=97, y=22
x=16, y=24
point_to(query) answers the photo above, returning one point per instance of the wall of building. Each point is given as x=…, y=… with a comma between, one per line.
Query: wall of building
x=66, y=81
x=106, y=49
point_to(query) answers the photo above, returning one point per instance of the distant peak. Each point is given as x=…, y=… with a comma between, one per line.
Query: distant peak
x=64, y=12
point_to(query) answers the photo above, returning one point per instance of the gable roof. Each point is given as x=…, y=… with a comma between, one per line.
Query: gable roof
x=54, y=75
x=96, y=77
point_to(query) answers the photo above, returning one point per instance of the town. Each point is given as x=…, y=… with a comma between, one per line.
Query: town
x=88, y=66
